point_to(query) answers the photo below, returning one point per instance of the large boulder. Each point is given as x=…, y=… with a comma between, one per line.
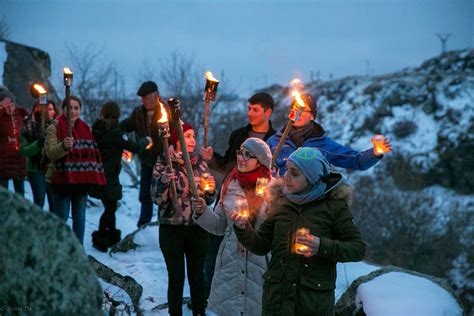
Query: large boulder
x=43, y=267
x=23, y=66
x=395, y=291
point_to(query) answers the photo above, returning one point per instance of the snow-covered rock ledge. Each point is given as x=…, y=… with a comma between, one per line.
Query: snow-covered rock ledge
x=396, y=291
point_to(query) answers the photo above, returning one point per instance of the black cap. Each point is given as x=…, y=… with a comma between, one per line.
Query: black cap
x=146, y=88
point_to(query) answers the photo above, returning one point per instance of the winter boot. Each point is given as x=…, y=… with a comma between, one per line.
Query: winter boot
x=100, y=240
x=114, y=236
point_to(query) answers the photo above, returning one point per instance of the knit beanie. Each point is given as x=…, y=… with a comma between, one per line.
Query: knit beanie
x=174, y=139
x=259, y=149
x=311, y=163
x=110, y=110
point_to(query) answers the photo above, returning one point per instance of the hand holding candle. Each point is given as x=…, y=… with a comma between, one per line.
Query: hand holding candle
x=305, y=243
x=239, y=221
x=127, y=156
x=381, y=145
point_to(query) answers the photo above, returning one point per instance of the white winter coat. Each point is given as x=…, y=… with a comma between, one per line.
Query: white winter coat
x=237, y=284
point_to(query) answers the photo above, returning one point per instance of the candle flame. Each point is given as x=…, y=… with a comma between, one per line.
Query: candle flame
x=67, y=71
x=39, y=88
x=164, y=114
x=210, y=77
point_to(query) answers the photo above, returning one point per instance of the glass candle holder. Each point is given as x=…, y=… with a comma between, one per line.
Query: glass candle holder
x=261, y=186
x=378, y=141
x=242, y=209
x=297, y=247
x=204, y=181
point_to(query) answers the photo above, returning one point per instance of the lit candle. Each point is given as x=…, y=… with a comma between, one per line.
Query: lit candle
x=378, y=141
x=204, y=182
x=261, y=186
x=299, y=248
x=127, y=156
x=242, y=208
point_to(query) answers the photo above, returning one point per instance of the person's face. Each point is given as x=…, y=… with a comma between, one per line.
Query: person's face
x=50, y=112
x=305, y=118
x=7, y=106
x=150, y=101
x=294, y=179
x=257, y=114
x=246, y=162
x=189, y=139
x=75, y=110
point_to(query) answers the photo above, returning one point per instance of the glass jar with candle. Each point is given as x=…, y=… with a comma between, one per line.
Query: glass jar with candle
x=297, y=247
x=261, y=186
x=378, y=141
x=242, y=208
x=204, y=181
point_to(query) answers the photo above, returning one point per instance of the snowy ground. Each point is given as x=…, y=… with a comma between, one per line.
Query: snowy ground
x=146, y=265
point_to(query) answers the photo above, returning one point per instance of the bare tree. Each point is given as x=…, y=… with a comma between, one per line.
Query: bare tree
x=5, y=28
x=96, y=79
x=181, y=77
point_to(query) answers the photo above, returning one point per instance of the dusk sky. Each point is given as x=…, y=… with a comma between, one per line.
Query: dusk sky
x=256, y=43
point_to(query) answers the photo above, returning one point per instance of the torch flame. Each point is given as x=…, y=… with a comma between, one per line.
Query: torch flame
x=67, y=71
x=164, y=114
x=299, y=101
x=39, y=88
x=210, y=77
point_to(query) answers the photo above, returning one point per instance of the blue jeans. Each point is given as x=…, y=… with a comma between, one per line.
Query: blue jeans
x=38, y=187
x=146, y=211
x=65, y=196
x=18, y=184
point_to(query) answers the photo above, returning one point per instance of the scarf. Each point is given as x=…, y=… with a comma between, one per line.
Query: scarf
x=312, y=193
x=83, y=163
x=300, y=134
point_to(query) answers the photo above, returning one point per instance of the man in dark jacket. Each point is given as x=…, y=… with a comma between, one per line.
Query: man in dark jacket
x=260, y=109
x=142, y=121
x=12, y=163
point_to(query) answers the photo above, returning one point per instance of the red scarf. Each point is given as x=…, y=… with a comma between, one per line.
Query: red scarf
x=83, y=163
x=248, y=180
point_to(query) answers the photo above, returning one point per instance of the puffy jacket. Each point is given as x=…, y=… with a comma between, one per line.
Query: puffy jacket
x=294, y=284
x=111, y=142
x=237, y=283
x=334, y=152
x=12, y=163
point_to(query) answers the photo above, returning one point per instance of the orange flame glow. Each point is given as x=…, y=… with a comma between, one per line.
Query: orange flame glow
x=164, y=114
x=67, y=71
x=210, y=77
x=379, y=146
x=39, y=88
x=299, y=101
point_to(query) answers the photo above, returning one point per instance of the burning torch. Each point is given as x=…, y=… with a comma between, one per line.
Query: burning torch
x=164, y=132
x=176, y=119
x=42, y=101
x=209, y=96
x=67, y=76
x=297, y=107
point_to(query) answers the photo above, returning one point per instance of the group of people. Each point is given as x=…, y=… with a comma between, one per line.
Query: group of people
x=279, y=258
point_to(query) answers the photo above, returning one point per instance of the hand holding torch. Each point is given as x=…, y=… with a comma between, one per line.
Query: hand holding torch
x=164, y=132
x=209, y=96
x=176, y=119
x=67, y=77
x=42, y=101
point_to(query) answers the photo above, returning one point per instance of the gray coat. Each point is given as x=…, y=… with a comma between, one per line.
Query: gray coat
x=237, y=284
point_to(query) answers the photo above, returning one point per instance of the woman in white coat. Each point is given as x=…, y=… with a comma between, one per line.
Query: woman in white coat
x=236, y=288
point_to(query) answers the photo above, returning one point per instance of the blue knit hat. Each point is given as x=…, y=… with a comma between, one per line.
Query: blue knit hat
x=311, y=163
